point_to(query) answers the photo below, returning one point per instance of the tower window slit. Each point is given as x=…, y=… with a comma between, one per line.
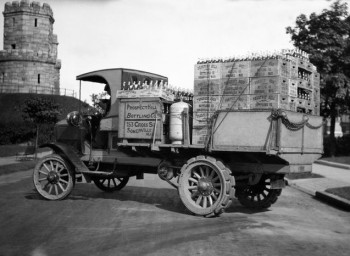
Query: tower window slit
x=38, y=78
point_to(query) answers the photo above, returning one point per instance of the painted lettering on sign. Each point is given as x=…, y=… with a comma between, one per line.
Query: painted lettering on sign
x=140, y=119
x=143, y=128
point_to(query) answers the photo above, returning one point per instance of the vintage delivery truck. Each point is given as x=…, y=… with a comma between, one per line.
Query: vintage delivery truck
x=212, y=147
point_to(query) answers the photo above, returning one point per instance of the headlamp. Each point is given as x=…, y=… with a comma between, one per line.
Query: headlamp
x=73, y=118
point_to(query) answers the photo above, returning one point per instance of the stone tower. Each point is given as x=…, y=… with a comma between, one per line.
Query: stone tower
x=28, y=63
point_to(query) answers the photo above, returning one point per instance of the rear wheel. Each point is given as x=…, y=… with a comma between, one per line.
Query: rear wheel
x=53, y=177
x=205, y=186
x=259, y=196
x=111, y=184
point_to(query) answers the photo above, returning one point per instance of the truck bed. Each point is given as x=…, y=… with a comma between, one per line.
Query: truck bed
x=257, y=131
x=295, y=138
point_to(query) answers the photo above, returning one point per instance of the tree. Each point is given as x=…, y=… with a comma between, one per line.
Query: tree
x=40, y=111
x=100, y=102
x=325, y=37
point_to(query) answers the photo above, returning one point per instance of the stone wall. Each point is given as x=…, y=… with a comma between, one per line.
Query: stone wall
x=23, y=76
x=29, y=59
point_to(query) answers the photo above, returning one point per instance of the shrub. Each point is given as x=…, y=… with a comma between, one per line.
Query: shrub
x=12, y=133
x=46, y=134
x=342, y=146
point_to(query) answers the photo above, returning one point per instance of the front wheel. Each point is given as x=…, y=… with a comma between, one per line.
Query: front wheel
x=53, y=177
x=205, y=186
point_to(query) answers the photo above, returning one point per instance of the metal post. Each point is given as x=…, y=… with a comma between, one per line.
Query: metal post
x=79, y=96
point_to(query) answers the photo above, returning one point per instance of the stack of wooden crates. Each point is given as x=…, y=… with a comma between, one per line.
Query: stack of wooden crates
x=288, y=82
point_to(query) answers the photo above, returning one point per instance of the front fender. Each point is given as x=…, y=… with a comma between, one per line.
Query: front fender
x=68, y=154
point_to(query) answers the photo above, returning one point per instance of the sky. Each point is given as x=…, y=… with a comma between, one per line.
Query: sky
x=166, y=37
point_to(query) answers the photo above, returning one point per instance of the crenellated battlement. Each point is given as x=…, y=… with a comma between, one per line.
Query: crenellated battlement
x=54, y=39
x=27, y=55
x=26, y=6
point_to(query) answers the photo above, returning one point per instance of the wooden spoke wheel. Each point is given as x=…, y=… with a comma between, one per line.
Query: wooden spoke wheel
x=259, y=196
x=53, y=177
x=111, y=184
x=205, y=186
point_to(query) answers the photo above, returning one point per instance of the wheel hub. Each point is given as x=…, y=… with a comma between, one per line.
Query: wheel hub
x=257, y=189
x=205, y=186
x=53, y=177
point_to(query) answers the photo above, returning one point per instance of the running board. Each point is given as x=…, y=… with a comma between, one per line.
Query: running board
x=106, y=174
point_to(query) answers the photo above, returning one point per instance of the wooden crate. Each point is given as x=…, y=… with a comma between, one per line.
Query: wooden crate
x=237, y=69
x=292, y=103
x=316, y=95
x=236, y=86
x=304, y=103
x=304, y=84
x=304, y=64
x=202, y=118
x=265, y=101
x=317, y=111
x=270, y=101
x=207, y=71
x=205, y=103
x=293, y=68
x=234, y=102
x=146, y=93
x=270, y=67
x=269, y=85
x=287, y=102
x=208, y=87
x=293, y=88
x=200, y=135
x=315, y=80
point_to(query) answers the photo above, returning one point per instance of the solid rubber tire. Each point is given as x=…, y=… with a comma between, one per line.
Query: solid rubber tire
x=226, y=181
x=101, y=186
x=243, y=193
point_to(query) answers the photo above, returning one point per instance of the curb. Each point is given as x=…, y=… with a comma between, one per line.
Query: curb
x=323, y=196
x=294, y=185
x=332, y=164
x=333, y=200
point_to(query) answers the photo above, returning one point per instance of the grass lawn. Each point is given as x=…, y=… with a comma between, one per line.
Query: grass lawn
x=343, y=192
x=338, y=159
x=17, y=167
x=12, y=150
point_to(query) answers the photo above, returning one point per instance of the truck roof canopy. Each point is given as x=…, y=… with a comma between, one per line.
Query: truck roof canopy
x=113, y=78
x=100, y=76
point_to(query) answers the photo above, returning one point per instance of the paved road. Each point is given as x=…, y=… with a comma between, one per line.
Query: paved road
x=339, y=174
x=148, y=218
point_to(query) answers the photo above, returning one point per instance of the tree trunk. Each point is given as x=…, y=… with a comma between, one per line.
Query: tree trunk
x=332, y=130
x=36, y=141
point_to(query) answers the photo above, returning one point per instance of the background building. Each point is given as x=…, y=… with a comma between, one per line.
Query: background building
x=28, y=63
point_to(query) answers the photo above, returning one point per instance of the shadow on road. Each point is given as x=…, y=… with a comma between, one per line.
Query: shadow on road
x=163, y=198
x=237, y=208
